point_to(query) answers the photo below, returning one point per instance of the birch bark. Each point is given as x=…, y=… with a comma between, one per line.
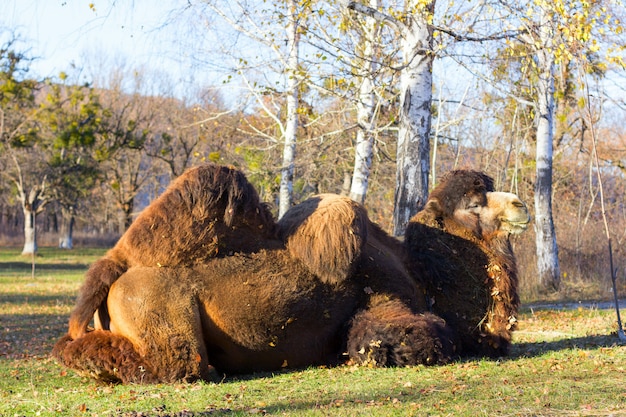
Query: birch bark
x=413, y=151
x=291, y=123
x=547, y=250
x=66, y=237
x=413, y=148
x=365, y=112
x=33, y=203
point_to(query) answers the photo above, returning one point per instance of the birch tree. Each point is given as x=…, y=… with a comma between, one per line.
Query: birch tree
x=365, y=108
x=291, y=119
x=413, y=155
x=538, y=58
x=259, y=46
x=413, y=144
x=554, y=33
x=547, y=249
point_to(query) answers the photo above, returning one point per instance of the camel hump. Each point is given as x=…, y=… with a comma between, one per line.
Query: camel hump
x=206, y=188
x=327, y=233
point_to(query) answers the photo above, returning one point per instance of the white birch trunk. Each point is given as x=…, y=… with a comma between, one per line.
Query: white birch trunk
x=66, y=238
x=415, y=120
x=32, y=203
x=362, y=154
x=365, y=113
x=547, y=251
x=30, y=230
x=291, y=123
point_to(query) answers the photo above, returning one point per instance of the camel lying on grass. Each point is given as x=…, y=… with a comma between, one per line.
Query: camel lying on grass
x=329, y=282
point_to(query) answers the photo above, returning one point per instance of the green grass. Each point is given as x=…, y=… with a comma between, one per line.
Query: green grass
x=566, y=363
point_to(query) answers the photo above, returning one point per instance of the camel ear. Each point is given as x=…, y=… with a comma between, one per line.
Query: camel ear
x=327, y=233
x=430, y=215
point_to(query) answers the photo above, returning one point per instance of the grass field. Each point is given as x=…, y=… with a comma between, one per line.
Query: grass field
x=564, y=363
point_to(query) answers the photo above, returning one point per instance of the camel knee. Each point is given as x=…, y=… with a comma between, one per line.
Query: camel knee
x=392, y=335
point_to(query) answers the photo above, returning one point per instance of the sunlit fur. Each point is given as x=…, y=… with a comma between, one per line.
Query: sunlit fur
x=458, y=249
x=327, y=281
x=279, y=306
x=209, y=211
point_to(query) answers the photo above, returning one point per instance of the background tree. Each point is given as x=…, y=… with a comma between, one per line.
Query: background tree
x=554, y=33
x=477, y=123
x=366, y=109
x=24, y=155
x=71, y=118
x=268, y=66
x=547, y=249
x=413, y=148
x=184, y=129
x=127, y=123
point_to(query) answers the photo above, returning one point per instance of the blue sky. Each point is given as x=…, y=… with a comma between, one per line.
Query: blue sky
x=62, y=32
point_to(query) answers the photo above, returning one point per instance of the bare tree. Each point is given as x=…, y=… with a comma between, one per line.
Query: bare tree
x=178, y=137
x=70, y=119
x=366, y=108
x=259, y=48
x=128, y=124
x=413, y=149
x=20, y=139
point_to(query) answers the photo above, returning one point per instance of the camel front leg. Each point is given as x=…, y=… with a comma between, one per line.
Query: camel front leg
x=388, y=333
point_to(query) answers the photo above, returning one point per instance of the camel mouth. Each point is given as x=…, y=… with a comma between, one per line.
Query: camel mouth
x=516, y=226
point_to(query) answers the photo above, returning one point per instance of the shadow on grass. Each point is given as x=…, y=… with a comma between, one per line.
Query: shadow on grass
x=324, y=405
x=26, y=335
x=325, y=401
x=39, y=299
x=533, y=349
x=27, y=266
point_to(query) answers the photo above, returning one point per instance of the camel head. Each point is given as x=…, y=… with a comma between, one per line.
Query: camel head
x=457, y=202
x=465, y=203
x=504, y=212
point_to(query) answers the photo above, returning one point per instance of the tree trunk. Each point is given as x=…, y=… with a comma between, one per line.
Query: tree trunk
x=125, y=216
x=365, y=113
x=413, y=153
x=362, y=166
x=547, y=250
x=66, y=239
x=32, y=204
x=291, y=123
x=30, y=230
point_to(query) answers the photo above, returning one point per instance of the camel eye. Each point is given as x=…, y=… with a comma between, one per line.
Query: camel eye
x=474, y=208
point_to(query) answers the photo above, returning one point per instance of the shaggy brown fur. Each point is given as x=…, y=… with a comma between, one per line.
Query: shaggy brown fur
x=461, y=254
x=264, y=310
x=314, y=229
x=92, y=352
x=209, y=211
x=282, y=306
x=388, y=333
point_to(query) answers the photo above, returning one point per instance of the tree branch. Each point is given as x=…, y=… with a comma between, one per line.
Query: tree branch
x=374, y=14
x=494, y=37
